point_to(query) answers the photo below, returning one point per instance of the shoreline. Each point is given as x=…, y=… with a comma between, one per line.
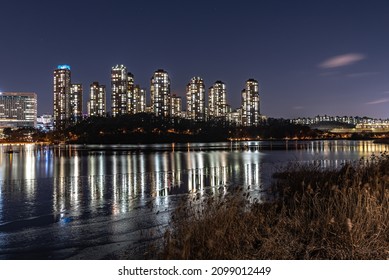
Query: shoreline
x=242, y=145
x=47, y=143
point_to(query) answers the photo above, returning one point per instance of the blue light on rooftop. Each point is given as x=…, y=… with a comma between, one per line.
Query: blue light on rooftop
x=63, y=66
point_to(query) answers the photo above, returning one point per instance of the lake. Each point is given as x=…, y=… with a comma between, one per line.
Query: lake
x=90, y=201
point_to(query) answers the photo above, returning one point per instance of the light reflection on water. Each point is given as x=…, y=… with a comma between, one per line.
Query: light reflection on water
x=59, y=188
x=159, y=170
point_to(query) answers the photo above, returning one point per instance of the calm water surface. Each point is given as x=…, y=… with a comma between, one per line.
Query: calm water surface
x=77, y=201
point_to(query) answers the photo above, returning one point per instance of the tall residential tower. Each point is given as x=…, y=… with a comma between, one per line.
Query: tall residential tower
x=75, y=103
x=217, y=104
x=97, y=101
x=119, y=86
x=67, y=98
x=250, y=103
x=175, y=106
x=138, y=100
x=160, y=93
x=62, y=85
x=195, y=99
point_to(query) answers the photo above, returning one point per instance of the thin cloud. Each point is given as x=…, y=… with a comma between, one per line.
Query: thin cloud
x=328, y=74
x=378, y=101
x=342, y=60
x=362, y=74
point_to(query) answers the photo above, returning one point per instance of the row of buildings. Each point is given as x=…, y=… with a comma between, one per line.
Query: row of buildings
x=337, y=119
x=127, y=97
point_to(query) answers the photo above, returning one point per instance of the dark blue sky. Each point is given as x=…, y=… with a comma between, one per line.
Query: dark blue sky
x=310, y=57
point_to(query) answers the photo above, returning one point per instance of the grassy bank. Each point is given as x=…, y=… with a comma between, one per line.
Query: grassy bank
x=311, y=214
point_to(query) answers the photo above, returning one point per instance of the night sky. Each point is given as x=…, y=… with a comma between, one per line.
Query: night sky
x=310, y=57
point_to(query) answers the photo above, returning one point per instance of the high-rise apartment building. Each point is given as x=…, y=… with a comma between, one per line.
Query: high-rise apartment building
x=195, y=99
x=119, y=87
x=136, y=97
x=130, y=93
x=62, y=85
x=160, y=93
x=217, y=101
x=67, y=98
x=97, y=100
x=250, y=103
x=75, y=103
x=138, y=100
x=18, y=109
x=176, y=106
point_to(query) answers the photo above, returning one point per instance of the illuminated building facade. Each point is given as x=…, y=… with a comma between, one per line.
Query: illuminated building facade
x=97, y=101
x=62, y=85
x=250, y=103
x=18, y=109
x=160, y=93
x=75, y=103
x=138, y=100
x=130, y=93
x=195, y=99
x=217, y=102
x=176, y=106
x=235, y=117
x=119, y=87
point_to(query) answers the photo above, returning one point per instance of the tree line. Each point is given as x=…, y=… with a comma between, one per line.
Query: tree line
x=148, y=128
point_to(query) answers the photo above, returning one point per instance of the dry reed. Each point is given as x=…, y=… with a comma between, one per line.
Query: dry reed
x=312, y=214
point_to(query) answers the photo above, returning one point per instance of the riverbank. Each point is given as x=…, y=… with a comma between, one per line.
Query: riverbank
x=42, y=143
x=278, y=142
x=311, y=213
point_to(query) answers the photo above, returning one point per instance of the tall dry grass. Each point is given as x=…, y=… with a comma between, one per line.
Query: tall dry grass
x=312, y=214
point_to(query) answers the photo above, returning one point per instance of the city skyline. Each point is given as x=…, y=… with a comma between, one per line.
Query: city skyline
x=129, y=98
x=310, y=58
